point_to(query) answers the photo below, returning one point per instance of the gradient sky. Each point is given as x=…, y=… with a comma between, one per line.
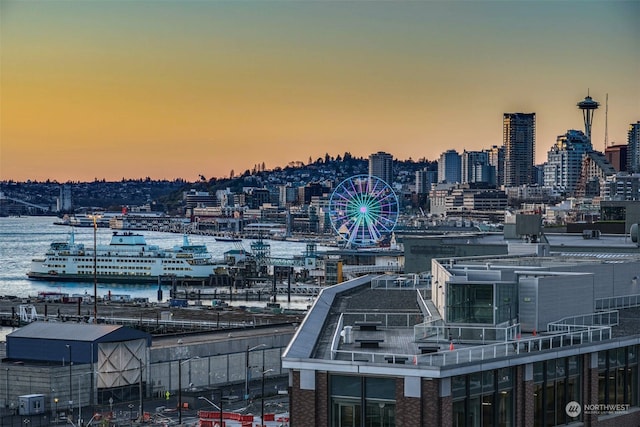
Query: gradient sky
x=175, y=89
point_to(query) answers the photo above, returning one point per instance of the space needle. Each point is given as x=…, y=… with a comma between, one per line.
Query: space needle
x=588, y=107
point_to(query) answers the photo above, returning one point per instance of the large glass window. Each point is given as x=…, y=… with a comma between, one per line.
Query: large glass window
x=556, y=382
x=362, y=401
x=483, y=399
x=469, y=303
x=618, y=376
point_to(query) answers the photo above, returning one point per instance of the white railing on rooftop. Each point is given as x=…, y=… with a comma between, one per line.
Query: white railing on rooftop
x=393, y=281
x=597, y=320
x=482, y=352
x=424, y=308
x=364, y=269
x=624, y=301
x=438, y=331
x=335, y=342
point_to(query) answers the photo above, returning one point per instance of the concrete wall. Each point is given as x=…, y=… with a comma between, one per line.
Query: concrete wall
x=611, y=278
x=419, y=251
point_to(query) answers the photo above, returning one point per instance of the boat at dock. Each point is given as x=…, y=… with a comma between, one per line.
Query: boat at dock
x=228, y=238
x=126, y=259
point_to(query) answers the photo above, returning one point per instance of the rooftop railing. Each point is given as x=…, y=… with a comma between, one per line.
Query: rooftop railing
x=624, y=301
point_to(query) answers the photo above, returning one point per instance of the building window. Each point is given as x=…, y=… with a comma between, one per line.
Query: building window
x=556, y=383
x=469, y=303
x=483, y=398
x=618, y=376
x=362, y=401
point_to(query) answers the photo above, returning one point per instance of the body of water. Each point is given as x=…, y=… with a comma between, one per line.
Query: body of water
x=25, y=238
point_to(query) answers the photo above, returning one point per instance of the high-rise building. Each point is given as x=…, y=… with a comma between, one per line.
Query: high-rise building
x=633, y=150
x=564, y=160
x=496, y=159
x=64, y=200
x=449, y=167
x=617, y=156
x=519, y=140
x=424, y=178
x=476, y=168
x=381, y=165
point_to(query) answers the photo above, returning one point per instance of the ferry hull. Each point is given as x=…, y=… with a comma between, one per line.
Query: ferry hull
x=109, y=279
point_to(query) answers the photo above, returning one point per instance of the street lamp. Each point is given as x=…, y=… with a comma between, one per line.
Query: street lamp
x=141, y=409
x=262, y=397
x=70, y=380
x=180, y=363
x=95, y=268
x=219, y=408
x=246, y=371
x=55, y=400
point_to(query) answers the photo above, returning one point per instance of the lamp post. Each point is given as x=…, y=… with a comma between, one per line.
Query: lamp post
x=70, y=380
x=55, y=400
x=219, y=408
x=141, y=409
x=262, y=398
x=6, y=402
x=95, y=268
x=246, y=371
x=180, y=363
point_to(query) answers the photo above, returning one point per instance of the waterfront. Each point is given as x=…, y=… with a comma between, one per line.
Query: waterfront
x=25, y=238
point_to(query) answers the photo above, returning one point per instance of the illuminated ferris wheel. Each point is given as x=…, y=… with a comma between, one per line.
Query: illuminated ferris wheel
x=363, y=210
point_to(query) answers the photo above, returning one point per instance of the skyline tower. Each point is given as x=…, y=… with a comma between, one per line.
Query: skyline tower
x=588, y=107
x=450, y=167
x=381, y=165
x=633, y=150
x=519, y=140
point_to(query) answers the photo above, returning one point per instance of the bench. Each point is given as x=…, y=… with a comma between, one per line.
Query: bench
x=368, y=326
x=396, y=359
x=369, y=342
x=426, y=349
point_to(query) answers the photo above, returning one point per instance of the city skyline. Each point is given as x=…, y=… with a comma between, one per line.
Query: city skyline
x=182, y=89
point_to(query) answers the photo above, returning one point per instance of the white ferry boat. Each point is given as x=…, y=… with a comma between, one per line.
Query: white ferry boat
x=127, y=258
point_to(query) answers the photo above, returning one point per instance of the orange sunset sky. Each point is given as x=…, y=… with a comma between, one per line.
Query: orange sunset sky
x=175, y=89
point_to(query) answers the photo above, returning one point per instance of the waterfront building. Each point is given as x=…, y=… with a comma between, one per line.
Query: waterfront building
x=116, y=364
x=633, y=144
x=519, y=138
x=509, y=341
x=564, y=161
x=449, y=167
x=381, y=165
x=194, y=198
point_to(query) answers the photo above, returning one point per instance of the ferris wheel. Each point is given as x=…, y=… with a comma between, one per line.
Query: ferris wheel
x=363, y=209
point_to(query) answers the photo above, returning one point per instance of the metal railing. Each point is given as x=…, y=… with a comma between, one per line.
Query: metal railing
x=571, y=323
x=439, y=331
x=624, y=301
x=483, y=352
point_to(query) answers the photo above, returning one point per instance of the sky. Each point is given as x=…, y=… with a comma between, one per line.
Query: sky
x=177, y=89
